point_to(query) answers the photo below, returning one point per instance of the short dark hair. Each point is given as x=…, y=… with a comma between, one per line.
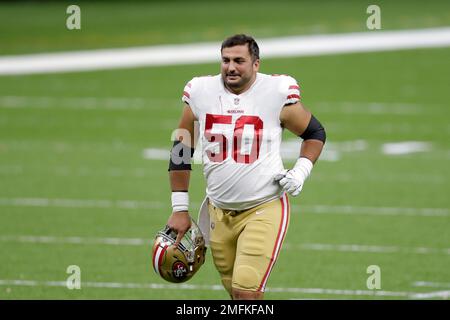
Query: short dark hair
x=242, y=39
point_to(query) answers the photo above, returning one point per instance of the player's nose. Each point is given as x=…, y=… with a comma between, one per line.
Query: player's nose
x=231, y=67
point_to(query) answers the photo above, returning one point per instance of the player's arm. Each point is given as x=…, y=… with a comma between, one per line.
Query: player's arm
x=297, y=119
x=180, y=171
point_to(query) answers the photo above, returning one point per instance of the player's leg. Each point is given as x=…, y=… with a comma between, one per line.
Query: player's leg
x=223, y=245
x=238, y=294
x=258, y=247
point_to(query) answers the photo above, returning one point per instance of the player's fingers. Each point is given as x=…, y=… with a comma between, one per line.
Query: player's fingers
x=291, y=189
x=283, y=182
x=180, y=235
x=289, y=175
x=279, y=176
x=298, y=190
x=291, y=184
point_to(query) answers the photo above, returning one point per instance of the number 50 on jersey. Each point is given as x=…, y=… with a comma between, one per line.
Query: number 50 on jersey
x=245, y=146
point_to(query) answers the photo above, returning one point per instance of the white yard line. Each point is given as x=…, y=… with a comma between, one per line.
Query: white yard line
x=405, y=147
x=77, y=240
x=362, y=210
x=139, y=103
x=366, y=248
x=428, y=295
x=83, y=103
x=385, y=177
x=431, y=284
x=81, y=171
x=140, y=204
x=80, y=203
x=294, y=46
x=288, y=246
x=333, y=151
x=161, y=154
x=377, y=108
x=156, y=286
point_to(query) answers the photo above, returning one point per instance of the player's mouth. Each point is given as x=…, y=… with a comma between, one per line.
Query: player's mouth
x=232, y=76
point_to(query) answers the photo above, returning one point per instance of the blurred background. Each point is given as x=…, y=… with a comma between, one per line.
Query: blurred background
x=83, y=154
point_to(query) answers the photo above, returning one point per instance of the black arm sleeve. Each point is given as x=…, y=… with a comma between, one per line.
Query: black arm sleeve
x=180, y=157
x=315, y=130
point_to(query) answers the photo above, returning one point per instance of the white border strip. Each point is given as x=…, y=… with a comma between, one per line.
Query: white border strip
x=209, y=52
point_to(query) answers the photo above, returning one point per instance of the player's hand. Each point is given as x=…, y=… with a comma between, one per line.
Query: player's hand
x=291, y=181
x=180, y=222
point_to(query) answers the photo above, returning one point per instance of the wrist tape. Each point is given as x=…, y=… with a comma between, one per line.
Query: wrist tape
x=180, y=201
x=304, y=167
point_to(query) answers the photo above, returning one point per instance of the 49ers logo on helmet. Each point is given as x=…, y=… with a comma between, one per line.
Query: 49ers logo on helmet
x=179, y=270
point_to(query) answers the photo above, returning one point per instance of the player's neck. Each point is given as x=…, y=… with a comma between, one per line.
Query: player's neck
x=242, y=89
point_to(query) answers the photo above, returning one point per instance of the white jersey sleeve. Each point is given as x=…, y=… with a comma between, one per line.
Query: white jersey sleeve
x=189, y=95
x=289, y=89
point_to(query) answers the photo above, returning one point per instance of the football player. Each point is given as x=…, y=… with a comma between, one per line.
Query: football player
x=241, y=114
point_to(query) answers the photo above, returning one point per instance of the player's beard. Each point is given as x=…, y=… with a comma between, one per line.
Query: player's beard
x=236, y=85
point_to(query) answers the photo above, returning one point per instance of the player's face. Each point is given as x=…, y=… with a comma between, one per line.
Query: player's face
x=238, y=70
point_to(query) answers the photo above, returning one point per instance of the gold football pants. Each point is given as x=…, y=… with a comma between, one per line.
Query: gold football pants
x=245, y=245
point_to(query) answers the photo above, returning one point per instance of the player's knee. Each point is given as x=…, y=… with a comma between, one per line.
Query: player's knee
x=246, y=278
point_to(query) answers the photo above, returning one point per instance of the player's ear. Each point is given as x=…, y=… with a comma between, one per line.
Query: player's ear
x=256, y=65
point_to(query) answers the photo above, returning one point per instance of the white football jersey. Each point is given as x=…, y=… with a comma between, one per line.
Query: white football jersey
x=240, y=137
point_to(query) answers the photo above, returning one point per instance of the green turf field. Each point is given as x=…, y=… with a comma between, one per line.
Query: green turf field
x=39, y=28
x=76, y=189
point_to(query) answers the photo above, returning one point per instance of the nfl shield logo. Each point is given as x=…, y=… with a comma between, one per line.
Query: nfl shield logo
x=236, y=101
